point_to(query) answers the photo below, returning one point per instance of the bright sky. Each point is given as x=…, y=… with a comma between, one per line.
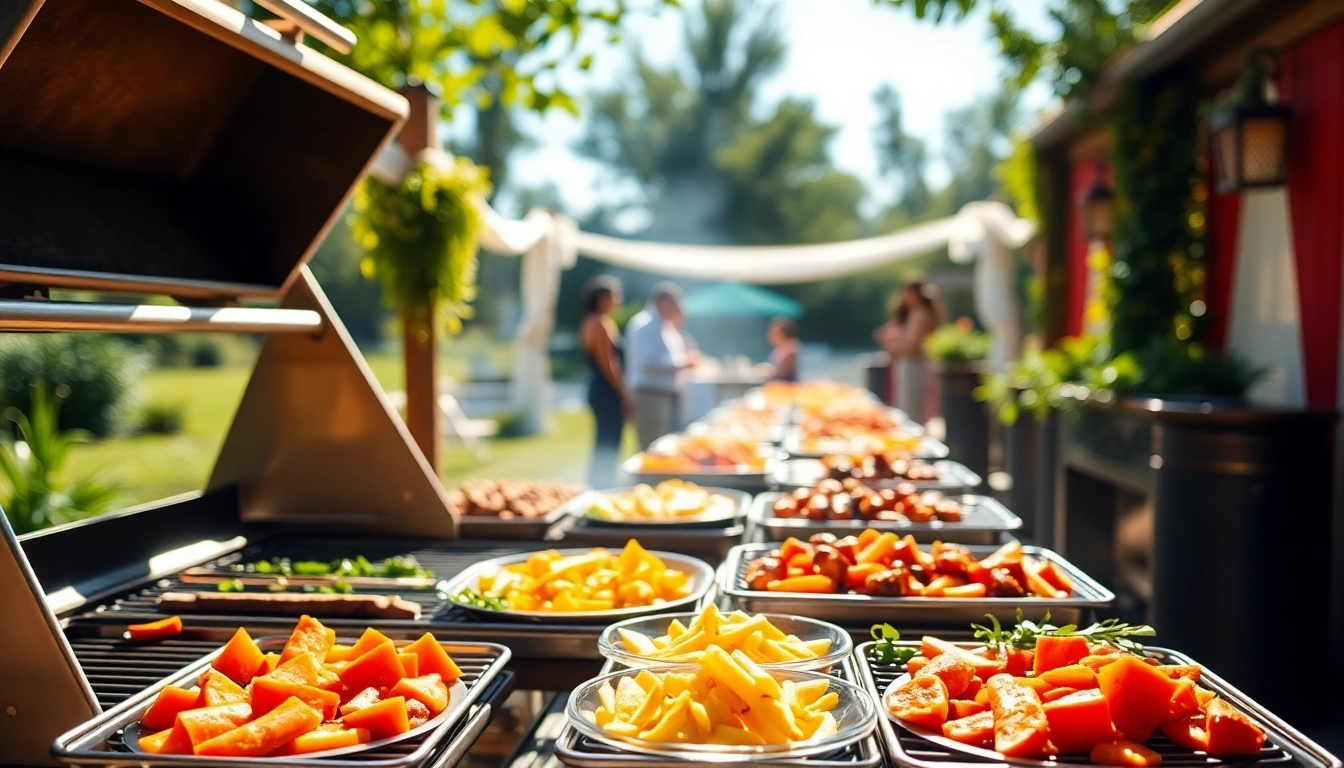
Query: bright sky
x=839, y=53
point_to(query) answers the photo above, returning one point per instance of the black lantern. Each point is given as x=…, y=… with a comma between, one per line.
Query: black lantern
x=1097, y=208
x=1250, y=133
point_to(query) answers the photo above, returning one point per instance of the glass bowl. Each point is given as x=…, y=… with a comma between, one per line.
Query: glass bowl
x=612, y=647
x=855, y=717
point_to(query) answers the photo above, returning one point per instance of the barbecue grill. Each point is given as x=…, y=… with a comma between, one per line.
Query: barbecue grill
x=176, y=149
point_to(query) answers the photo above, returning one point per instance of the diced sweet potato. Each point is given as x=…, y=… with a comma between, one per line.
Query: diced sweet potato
x=205, y=723
x=324, y=739
x=1183, y=701
x=265, y=734
x=1055, y=694
x=428, y=690
x=307, y=669
x=932, y=647
x=955, y=672
x=921, y=701
x=365, y=698
x=382, y=720
x=433, y=659
x=170, y=741
x=379, y=668
x=977, y=730
x=219, y=689
x=1190, y=732
x=1080, y=721
x=156, y=630
x=410, y=664
x=1230, y=732
x=241, y=659
x=1178, y=671
x=1124, y=753
x=309, y=636
x=1020, y=726
x=268, y=693
x=1036, y=684
x=417, y=714
x=171, y=700
x=958, y=709
x=371, y=639
x=1139, y=694
x=1071, y=676
x=1055, y=652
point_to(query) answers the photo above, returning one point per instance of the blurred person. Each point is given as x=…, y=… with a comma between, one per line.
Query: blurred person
x=783, y=335
x=915, y=314
x=656, y=355
x=607, y=396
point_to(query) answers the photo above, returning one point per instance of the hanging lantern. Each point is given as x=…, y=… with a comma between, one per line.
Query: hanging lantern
x=1250, y=133
x=1097, y=209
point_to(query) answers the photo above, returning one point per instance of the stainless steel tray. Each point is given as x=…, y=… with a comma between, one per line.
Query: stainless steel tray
x=578, y=506
x=983, y=521
x=495, y=529
x=741, y=479
x=711, y=540
x=701, y=581
x=99, y=741
x=1088, y=596
x=573, y=749
x=928, y=448
x=772, y=433
x=1286, y=747
x=805, y=473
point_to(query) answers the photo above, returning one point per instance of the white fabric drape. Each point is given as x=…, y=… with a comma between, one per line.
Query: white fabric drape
x=549, y=243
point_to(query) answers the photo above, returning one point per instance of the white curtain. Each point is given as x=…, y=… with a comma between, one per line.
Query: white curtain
x=549, y=243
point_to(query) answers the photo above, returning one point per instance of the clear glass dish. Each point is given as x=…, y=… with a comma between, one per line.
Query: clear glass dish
x=611, y=646
x=855, y=717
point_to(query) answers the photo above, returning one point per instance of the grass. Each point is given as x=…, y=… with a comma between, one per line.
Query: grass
x=152, y=467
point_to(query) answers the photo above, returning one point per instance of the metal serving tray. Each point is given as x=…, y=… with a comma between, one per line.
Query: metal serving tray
x=928, y=448
x=710, y=540
x=99, y=741
x=772, y=433
x=738, y=478
x=983, y=521
x=514, y=529
x=790, y=474
x=1285, y=747
x=578, y=751
x=1088, y=596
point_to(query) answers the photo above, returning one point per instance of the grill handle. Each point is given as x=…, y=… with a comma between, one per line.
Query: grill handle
x=20, y=316
x=312, y=22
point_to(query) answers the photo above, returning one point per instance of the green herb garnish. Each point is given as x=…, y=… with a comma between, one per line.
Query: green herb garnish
x=1024, y=635
x=482, y=601
x=341, y=587
x=885, y=650
x=399, y=567
x=231, y=585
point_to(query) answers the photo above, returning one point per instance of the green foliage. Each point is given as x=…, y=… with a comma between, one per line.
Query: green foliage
x=421, y=238
x=1158, y=267
x=956, y=343
x=476, y=50
x=901, y=155
x=94, y=374
x=1173, y=368
x=934, y=8
x=1017, y=176
x=206, y=354
x=976, y=136
x=1077, y=369
x=32, y=494
x=162, y=418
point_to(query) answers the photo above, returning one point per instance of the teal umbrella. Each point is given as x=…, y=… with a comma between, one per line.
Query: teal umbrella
x=739, y=300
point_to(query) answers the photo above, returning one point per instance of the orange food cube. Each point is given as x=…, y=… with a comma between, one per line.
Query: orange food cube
x=305, y=669
x=959, y=709
x=339, y=652
x=1231, y=732
x=433, y=659
x=1020, y=726
x=268, y=693
x=1190, y=732
x=410, y=664
x=309, y=636
x=156, y=630
x=382, y=720
x=976, y=730
x=921, y=701
x=365, y=698
x=1071, y=676
x=171, y=700
x=219, y=689
x=371, y=639
x=428, y=690
x=1054, y=652
x=241, y=659
x=955, y=672
x=324, y=739
x=266, y=734
x=170, y=741
x=1080, y=721
x=1140, y=696
x=379, y=668
x=205, y=723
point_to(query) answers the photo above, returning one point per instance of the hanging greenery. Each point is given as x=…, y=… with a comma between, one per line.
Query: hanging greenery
x=1157, y=271
x=421, y=239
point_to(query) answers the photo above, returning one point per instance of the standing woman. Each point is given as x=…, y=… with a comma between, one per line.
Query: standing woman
x=606, y=386
x=914, y=318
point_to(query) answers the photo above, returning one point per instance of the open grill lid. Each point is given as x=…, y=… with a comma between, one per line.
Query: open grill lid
x=172, y=147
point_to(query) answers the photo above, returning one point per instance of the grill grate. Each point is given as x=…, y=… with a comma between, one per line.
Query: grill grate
x=118, y=669
x=908, y=749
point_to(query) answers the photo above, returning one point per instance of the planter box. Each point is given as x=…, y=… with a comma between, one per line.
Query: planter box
x=967, y=422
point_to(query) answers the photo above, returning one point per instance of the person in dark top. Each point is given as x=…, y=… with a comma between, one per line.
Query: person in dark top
x=610, y=403
x=784, y=356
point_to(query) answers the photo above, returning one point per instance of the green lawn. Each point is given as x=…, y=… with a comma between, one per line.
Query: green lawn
x=153, y=467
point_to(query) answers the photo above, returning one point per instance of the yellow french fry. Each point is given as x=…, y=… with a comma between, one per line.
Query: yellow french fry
x=646, y=680
x=731, y=736
x=607, y=695
x=809, y=691
x=700, y=719
x=629, y=697
x=727, y=672
x=649, y=710
x=764, y=682
x=674, y=717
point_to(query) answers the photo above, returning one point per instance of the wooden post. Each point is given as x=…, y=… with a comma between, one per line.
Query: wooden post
x=420, y=344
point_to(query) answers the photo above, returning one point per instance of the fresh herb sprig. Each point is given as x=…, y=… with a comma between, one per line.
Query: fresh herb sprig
x=482, y=601
x=1113, y=631
x=230, y=585
x=360, y=566
x=885, y=650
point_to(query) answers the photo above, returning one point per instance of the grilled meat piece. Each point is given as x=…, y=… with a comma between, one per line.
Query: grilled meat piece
x=830, y=563
x=763, y=570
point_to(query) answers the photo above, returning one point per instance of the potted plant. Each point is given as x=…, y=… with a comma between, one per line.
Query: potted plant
x=956, y=353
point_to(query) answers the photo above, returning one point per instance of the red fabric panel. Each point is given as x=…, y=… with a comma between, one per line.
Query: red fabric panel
x=1081, y=175
x=1224, y=222
x=1313, y=83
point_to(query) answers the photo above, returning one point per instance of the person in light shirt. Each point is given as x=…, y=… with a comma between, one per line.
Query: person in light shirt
x=656, y=356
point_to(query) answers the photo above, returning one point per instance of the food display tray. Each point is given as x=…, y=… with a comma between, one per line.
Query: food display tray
x=863, y=610
x=1285, y=747
x=714, y=423
x=928, y=448
x=983, y=521
x=575, y=750
x=98, y=742
x=791, y=474
x=743, y=478
x=514, y=529
x=710, y=542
